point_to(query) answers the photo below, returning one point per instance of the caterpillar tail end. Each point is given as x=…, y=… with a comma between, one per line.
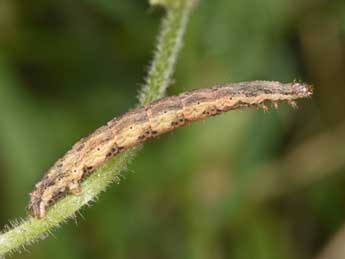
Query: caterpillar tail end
x=36, y=208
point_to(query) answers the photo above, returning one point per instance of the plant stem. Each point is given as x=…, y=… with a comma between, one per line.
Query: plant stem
x=169, y=43
x=168, y=47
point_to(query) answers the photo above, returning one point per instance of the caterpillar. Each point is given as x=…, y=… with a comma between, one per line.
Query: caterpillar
x=149, y=121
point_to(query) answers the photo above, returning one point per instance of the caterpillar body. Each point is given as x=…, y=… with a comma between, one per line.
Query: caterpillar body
x=154, y=119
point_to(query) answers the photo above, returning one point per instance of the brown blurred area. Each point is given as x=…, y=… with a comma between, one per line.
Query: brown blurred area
x=247, y=184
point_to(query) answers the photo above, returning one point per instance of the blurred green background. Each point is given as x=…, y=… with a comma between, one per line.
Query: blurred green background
x=246, y=184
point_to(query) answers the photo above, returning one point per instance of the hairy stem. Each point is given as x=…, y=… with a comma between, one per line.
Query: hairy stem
x=169, y=43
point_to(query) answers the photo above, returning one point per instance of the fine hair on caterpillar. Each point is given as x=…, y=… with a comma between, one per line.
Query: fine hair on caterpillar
x=154, y=119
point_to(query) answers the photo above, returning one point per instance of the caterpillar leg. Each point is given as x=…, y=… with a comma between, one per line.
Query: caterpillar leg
x=74, y=188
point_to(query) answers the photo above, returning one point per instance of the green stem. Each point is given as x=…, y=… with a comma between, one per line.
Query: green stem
x=168, y=47
x=169, y=43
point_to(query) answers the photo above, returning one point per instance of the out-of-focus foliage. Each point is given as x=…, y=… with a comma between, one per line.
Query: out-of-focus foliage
x=246, y=184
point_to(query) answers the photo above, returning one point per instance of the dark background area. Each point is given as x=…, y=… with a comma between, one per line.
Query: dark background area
x=247, y=184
